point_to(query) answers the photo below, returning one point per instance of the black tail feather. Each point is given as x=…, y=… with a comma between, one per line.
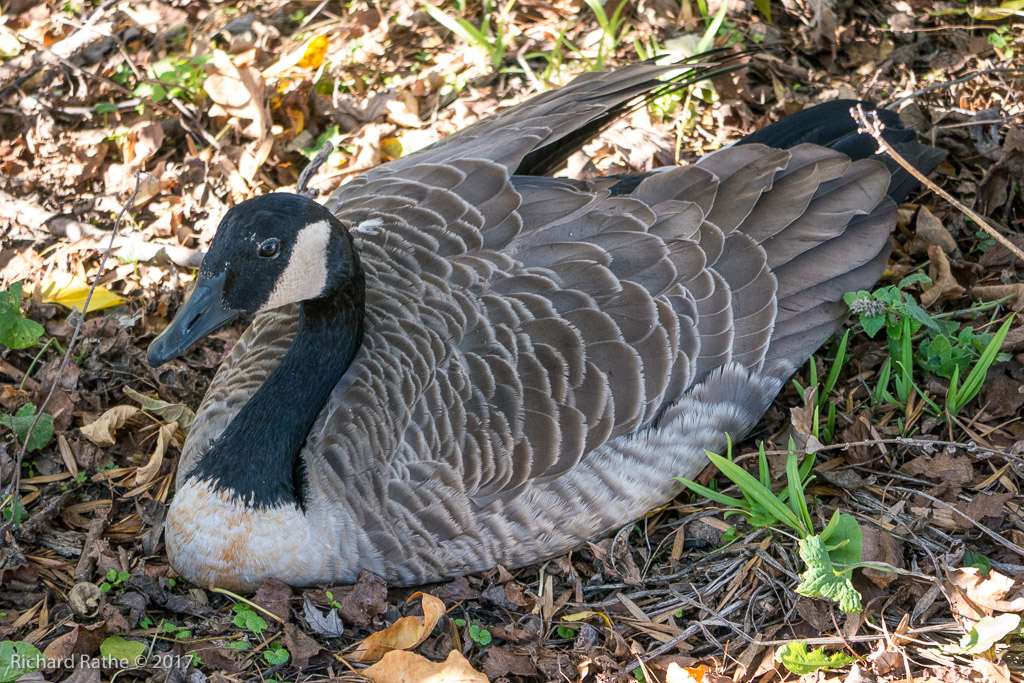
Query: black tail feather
x=831, y=125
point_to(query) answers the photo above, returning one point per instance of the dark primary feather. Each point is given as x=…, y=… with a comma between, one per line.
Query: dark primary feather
x=542, y=356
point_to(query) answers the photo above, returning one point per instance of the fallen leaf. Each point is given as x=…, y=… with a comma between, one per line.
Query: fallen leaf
x=976, y=596
x=404, y=110
x=171, y=412
x=237, y=91
x=929, y=230
x=164, y=437
x=685, y=674
x=142, y=142
x=101, y=432
x=325, y=624
x=500, y=663
x=275, y=597
x=309, y=56
x=409, y=667
x=996, y=292
x=993, y=672
x=945, y=285
x=70, y=291
x=404, y=634
x=878, y=545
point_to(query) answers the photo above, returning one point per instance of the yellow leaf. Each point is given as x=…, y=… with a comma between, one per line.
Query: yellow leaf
x=580, y=616
x=309, y=56
x=316, y=50
x=404, y=634
x=408, y=667
x=70, y=291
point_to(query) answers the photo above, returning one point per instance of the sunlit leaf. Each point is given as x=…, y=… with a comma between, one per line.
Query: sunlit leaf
x=70, y=291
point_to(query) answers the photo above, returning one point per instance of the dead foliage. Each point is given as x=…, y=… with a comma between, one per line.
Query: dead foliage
x=218, y=102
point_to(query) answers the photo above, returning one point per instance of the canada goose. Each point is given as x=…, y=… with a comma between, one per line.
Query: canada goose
x=459, y=363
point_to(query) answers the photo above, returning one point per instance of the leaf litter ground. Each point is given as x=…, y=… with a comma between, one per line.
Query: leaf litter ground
x=216, y=103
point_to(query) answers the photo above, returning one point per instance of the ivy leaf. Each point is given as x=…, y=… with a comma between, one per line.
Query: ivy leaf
x=18, y=659
x=822, y=579
x=21, y=422
x=127, y=652
x=796, y=658
x=16, y=331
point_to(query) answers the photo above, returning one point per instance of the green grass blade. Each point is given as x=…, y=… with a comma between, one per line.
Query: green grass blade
x=711, y=494
x=460, y=27
x=833, y=373
x=951, y=395
x=709, y=35
x=976, y=378
x=797, y=501
x=752, y=487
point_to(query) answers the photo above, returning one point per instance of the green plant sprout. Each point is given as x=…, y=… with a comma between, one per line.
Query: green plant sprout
x=115, y=579
x=830, y=556
x=477, y=633
x=917, y=339
x=492, y=41
x=613, y=31
x=247, y=618
x=796, y=658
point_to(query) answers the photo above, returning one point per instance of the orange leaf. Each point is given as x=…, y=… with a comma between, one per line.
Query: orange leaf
x=408, y=667
x=404, y=634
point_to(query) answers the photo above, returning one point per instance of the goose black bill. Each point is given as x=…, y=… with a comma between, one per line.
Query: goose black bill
x=203, y=313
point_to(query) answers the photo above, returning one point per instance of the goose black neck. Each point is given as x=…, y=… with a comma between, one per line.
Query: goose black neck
x=257, y=456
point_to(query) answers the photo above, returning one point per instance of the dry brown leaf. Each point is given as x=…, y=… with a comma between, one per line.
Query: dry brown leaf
x=945, y=285
x=164, y=438
x=237, y=91
x=879, y=545
x=408, y=667
x=995, y=292
x=101, y=432
x=993, y=672
x=404, y=110
x=170, y=412
x=976, y=596
x=929, y=230
x=142, y=142
x=404, y=634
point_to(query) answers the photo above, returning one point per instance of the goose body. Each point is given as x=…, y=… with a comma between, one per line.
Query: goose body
x=459, y=363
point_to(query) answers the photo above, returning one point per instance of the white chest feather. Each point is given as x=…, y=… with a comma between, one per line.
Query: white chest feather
x=214, y=539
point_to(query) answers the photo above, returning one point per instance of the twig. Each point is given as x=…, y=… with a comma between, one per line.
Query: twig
x=949, y=84
x=970, y=446
x=869, y=123
x=1010, y=545
x=301, y=187
x=16, y=479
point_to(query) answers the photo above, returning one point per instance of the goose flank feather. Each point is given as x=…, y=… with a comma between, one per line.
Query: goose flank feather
x=458, y=362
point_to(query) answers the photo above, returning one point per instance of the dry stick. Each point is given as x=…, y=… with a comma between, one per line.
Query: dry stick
x=302, y=185
x=948, y=84
x=970, y=446
x=16, y=480
x=870, y=124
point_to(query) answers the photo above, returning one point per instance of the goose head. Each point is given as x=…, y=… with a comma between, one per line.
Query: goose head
x=269, y=251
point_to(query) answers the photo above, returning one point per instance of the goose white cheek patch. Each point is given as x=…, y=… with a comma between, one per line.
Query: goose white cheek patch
x=306, y=274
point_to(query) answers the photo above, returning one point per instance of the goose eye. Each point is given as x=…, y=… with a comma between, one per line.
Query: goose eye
x=270, y=248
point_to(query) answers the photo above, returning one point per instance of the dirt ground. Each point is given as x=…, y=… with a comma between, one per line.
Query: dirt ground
x=216, y=102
